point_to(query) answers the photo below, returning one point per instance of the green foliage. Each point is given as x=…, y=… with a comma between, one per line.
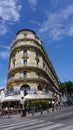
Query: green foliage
x=62, y=87
x=36, y=104
x=66, y=87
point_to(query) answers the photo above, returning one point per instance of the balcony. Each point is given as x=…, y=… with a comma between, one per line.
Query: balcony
x=28, y=67
x=28, y=78
x=32, y=67
x=25, y=56
x=27, y=39
x=11, y=79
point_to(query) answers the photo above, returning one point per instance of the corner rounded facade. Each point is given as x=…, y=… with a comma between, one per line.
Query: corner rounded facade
x=29, y=64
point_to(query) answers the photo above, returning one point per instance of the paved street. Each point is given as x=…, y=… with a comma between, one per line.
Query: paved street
x=61, y=120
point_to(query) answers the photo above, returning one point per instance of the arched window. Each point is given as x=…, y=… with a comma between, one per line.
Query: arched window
x=25, y=88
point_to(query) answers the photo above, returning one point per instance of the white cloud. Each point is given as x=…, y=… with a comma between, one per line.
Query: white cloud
x=3, y=29
x=33, y=3
x=57, y=46
x=35, y=22
x=4, y=55
x=58, y=24
x=6, y=47
x=9, y=12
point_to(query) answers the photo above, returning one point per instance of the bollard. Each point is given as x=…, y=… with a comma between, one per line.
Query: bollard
x=32, y=112
x=53, y=107
x=41, y=111
x=47, y=110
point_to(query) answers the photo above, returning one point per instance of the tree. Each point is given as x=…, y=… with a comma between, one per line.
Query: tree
x=62, y=87
x=66, y=88
x=69, y=86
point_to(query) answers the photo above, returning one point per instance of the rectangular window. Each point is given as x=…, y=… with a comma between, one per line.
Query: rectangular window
x=25, y=52
x=13, y=63
x=37, y=54
x=25, y=62
x=25, y=74
x=37, y=62
x=43, y=65
x=13, y=55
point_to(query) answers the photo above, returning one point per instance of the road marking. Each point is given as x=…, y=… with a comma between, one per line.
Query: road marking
x=68, y=114
x=19, y=125
x=13, y=120
x=50, y=127
x=67, y=128
x=38, y=125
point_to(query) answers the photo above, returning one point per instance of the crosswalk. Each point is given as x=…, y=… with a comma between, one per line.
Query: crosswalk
x=31, y=124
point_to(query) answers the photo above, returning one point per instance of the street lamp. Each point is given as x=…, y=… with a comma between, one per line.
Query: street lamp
x=24, y=104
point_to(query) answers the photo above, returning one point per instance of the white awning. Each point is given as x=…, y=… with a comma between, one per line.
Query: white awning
x=38, y=96
x=12, y=98
x=30, y=96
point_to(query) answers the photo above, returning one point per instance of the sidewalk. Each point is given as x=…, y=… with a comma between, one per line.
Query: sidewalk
x=27, y=114
x=37, y=113
x=41, y=112
x=50, y=111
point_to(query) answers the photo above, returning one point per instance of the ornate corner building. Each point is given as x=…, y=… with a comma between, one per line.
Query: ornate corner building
x=29, y=64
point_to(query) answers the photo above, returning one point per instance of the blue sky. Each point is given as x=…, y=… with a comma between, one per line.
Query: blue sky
x=52, y=20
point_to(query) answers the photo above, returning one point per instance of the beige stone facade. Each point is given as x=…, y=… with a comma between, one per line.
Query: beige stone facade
x=29, y=65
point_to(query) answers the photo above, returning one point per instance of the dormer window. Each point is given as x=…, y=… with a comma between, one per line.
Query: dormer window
x=25, y=34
